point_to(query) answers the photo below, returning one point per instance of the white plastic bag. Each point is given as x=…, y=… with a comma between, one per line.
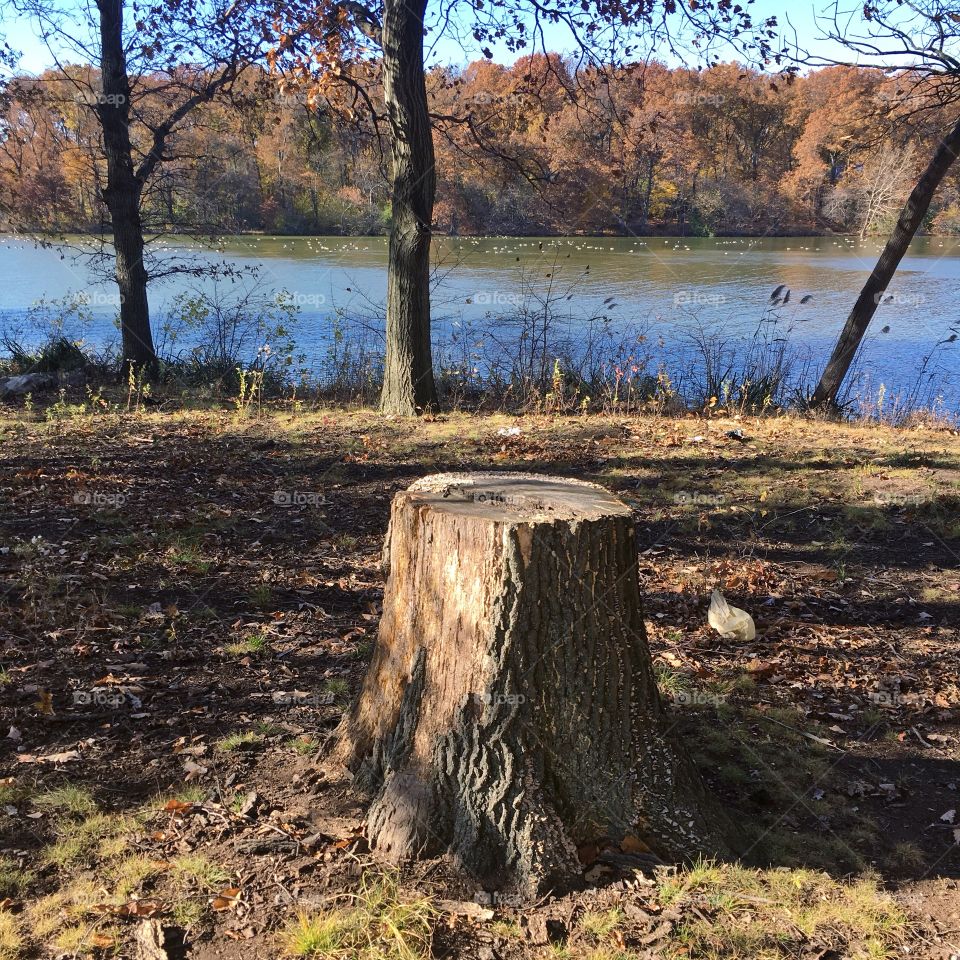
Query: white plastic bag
x=730, y=621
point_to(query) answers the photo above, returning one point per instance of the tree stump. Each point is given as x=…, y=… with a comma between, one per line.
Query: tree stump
x=510, y=715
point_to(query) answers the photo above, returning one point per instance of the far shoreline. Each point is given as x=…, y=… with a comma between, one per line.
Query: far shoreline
x=52, y=238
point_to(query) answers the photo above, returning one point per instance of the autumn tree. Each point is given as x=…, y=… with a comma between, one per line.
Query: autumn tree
x=870, y=196
x=633, y=150
x=47, y=170
x=338, y=41
x=839, y=117
x=144, y=73
x=917, y=42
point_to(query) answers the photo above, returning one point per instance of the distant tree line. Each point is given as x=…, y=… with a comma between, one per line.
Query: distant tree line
x=638, y=150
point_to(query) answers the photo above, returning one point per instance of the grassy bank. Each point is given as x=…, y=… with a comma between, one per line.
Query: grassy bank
x=539, y=353
x=188, y=599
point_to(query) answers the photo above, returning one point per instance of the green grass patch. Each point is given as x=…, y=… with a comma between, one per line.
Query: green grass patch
x=238, y=741
x=97, y=837
x=337, y=688
x=196, y=870
x=305, y=745
x=14, y=879
x=67, y=800
x=253, y=644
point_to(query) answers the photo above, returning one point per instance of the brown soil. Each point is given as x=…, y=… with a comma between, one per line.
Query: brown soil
x=170, y=581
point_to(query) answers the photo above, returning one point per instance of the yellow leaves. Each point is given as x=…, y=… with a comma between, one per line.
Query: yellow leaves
x=44, y=703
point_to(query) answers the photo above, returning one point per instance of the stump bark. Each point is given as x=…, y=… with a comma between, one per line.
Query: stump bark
x=510, y=715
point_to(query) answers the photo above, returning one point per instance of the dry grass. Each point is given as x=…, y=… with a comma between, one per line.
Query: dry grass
x=382, y=923
x=773, y=914
x=10, y=941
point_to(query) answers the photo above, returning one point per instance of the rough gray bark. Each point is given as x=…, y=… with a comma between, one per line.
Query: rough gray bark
x=911, y=216
x=510, y=716
x=122, y=191
x=408, y=384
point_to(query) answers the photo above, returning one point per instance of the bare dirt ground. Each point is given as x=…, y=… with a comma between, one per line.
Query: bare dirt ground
x=188, y=601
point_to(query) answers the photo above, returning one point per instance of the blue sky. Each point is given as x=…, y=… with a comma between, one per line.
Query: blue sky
x=21, y=35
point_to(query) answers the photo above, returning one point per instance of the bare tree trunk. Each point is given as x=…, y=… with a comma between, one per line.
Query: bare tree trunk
x=122, y=192
x=408, y=384
x=510, y=716
x=911, y=216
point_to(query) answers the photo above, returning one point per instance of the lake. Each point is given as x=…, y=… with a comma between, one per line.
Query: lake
x=668, y=288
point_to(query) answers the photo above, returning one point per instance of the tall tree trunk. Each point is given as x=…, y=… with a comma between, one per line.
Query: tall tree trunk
x=510, y=715
x=647, y=192
x=122, y=193
x=408, y=384
x=911, y=216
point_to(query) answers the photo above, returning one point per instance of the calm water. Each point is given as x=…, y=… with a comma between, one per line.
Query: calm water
x=670, y=288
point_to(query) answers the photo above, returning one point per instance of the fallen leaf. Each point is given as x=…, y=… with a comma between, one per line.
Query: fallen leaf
x=632, y=844
x=225, y=899
x=466, y=908
x=64, y=757
x=760, y=668
x=144, y=908
x=193, y=770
